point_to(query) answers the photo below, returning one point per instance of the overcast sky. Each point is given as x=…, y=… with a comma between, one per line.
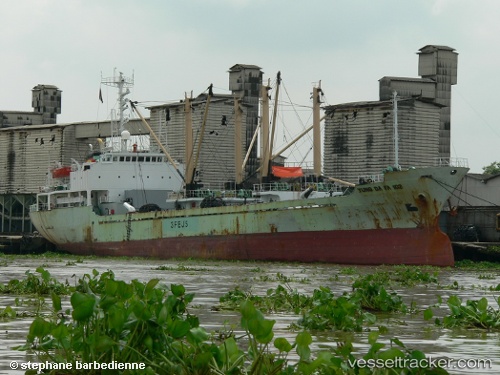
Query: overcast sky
x=173, y=47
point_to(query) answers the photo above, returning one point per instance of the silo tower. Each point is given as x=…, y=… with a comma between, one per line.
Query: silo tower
x=46, y=99
x=439, y=63
x=245, y=82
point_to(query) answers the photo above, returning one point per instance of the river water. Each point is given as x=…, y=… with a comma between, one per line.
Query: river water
x=209, y=280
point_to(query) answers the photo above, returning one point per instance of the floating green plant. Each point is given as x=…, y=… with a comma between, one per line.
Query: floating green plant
x=372, y=295
x=472, y=313
x=39, y=283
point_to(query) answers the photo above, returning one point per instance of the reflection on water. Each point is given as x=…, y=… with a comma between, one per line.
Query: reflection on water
x=211, y=279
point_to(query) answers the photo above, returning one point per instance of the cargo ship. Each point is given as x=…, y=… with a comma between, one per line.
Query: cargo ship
x=394, y=221
x=104, y=207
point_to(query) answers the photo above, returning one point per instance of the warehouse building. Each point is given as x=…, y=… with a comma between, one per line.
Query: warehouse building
x=359, y=137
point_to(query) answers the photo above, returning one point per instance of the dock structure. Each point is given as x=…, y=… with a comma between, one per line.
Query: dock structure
x=9, y=241
x=477, y=251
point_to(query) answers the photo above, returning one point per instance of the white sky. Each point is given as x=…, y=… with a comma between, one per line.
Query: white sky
x=175, y=46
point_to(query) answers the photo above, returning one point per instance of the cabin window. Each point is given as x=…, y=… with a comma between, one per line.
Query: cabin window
x=122, y=158
x=127, y=158
x=148, y=159
x=140, y=159
x=115, y=158
x=134, y=159
x=153, y=159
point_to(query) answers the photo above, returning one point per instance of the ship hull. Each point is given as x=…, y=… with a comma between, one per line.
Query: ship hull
x=391, y=222
x=370, y=247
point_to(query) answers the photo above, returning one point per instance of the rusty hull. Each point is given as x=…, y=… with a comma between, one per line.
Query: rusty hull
x=392, y=222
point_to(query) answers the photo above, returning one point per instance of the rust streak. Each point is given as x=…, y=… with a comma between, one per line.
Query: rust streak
x=88, y=234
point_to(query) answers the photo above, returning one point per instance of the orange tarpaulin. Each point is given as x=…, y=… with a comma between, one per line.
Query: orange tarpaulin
x=287, y=172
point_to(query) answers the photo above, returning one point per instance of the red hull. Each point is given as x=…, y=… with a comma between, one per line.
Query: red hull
x=420, y=246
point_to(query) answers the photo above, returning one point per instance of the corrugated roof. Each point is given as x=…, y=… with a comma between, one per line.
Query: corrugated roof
x=21, y=112
x=378, y=103
x=42, y=86
x=374, y=103
x=243, y=66
x=434, y=47
x=408, y=79
x=201, y=98
x=483, y=176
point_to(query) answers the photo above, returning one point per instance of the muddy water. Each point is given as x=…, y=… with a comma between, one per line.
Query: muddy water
x=210, y=279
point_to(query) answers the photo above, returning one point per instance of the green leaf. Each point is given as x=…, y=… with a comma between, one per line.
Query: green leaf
x=454, y=301
x=303, y=340
x=197, y=335
x=391, y=353
x=372, y=337
x=162, y=315
x=247, y=309
x=9, y=312
x=151, y=285
x=230, y=354
x=482, y=305
x=148, y=342
x=282, y=345
x=62, y=335
x=398, y=342
x=103, y=343
x=83, y=306
x=202, y=360
x=177, y=290
x=39, y=328
x=428, y=314
x=188, y=298
x=179, y=328
x=417, y=354
x=265, y=333
x=116, y=318
x=56, y=302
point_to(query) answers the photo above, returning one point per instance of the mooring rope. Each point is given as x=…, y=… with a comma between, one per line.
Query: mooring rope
x=452, y=192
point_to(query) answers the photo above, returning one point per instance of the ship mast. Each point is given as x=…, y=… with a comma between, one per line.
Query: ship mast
x=316, y=130
x=316, y=133
x=202, y=134
x=238, y=158
x=188, y=123
x=121, y=82
x=396, y=135
x=265, y=153
x=152, y=133
x=275, y=115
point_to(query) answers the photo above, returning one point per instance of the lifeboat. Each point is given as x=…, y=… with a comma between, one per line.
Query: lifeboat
x=61, y=172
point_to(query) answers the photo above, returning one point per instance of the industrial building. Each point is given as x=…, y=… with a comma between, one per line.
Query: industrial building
x=216, y=161
x=473, y=213
x=359, y=137
x=46, y=103
x=27, y=154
